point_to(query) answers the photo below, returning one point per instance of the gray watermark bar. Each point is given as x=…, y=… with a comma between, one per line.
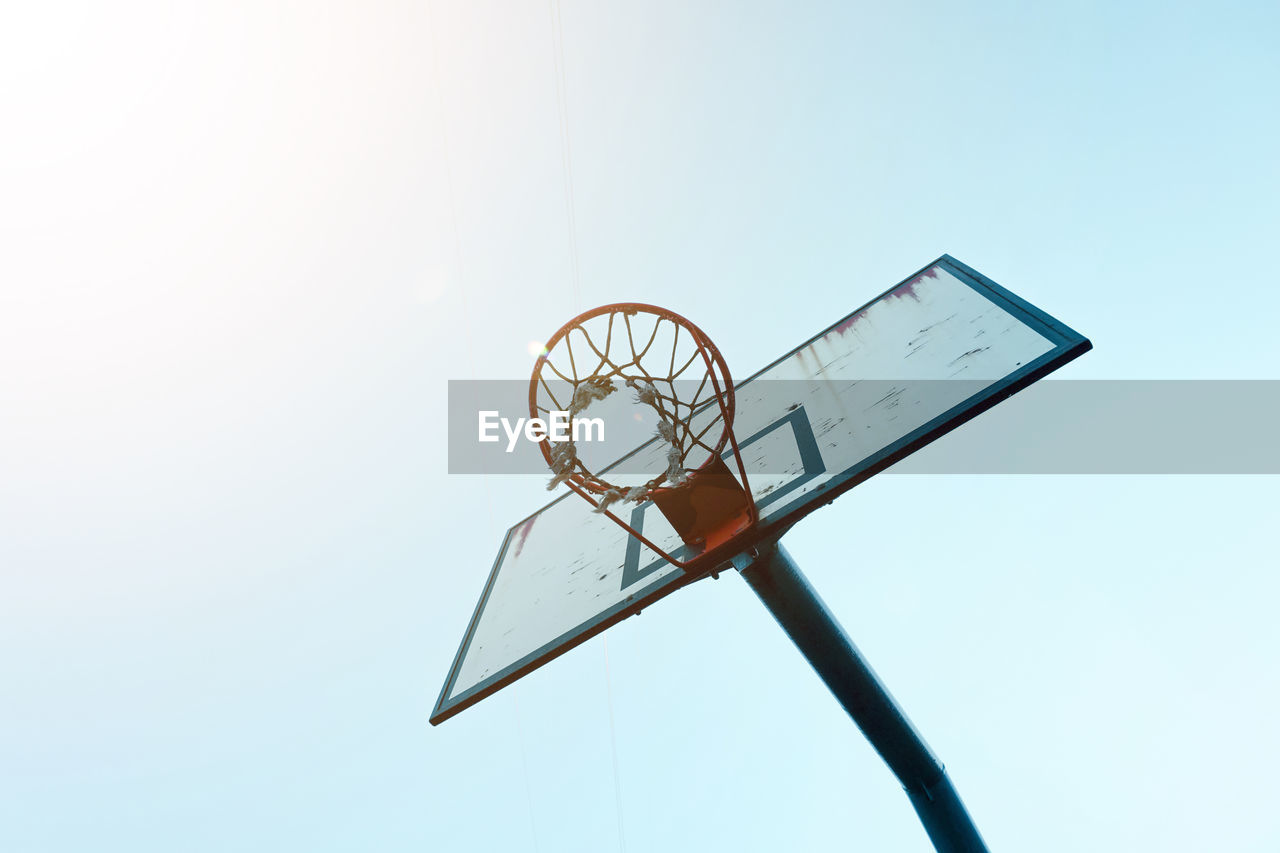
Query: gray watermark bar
x=1055, y=426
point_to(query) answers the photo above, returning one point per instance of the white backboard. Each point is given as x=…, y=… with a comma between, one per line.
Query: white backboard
x=907, y=367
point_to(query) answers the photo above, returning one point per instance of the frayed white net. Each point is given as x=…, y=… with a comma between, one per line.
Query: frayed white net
x=669, y=367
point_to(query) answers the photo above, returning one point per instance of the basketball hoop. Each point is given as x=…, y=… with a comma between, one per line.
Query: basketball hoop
x=673, y=368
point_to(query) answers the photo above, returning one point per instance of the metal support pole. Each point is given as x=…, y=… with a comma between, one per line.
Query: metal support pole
x=778, y=582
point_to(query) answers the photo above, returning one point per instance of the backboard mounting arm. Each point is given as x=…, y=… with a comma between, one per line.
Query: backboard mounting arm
x=776, y=579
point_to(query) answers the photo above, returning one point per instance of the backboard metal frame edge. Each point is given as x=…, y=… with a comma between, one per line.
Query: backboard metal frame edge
x=446, y=708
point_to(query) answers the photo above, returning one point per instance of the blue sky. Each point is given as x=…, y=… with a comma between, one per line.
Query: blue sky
x=245, y=248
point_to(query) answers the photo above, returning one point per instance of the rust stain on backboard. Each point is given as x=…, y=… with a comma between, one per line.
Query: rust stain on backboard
x=523, y=533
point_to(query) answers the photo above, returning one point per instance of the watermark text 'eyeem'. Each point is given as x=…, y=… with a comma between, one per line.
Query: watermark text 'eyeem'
x=556, y=428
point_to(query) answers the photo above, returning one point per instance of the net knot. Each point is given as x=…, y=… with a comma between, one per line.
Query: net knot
x=590, y=390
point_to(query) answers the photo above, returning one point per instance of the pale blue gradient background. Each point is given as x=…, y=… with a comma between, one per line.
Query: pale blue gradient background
x=243, y=247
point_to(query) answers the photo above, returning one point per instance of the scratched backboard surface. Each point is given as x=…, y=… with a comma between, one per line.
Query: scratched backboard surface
x=910, y=365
